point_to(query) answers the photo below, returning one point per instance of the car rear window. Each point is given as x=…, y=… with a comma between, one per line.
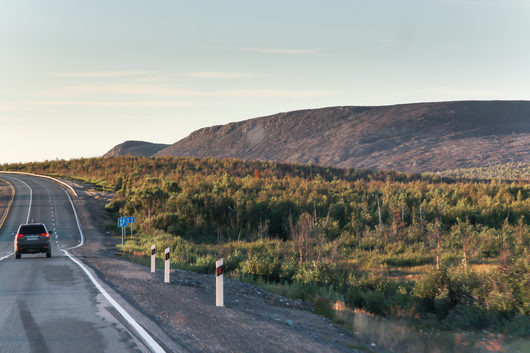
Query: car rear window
x=32, y=229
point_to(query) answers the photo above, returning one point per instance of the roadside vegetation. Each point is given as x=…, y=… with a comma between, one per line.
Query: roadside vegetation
x=505, y=171
x=432, y=251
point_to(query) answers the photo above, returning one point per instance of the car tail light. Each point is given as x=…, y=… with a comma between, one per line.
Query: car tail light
x=20, y=235
x=46, y=235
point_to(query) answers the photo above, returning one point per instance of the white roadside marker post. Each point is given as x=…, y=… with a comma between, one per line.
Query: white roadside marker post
x=153, y=258
x=219, y=290
x=166, y=268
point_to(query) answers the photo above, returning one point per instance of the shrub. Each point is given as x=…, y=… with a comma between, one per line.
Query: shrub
x=467, y=317
x=355, y=297
x=323, y=307
x=375, y=303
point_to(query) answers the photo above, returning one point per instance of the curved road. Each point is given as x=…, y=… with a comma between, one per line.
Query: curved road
x=50, y=305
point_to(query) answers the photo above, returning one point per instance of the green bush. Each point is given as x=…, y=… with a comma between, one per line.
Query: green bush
x=323, y=307
x=375, y=303
x=467, y=318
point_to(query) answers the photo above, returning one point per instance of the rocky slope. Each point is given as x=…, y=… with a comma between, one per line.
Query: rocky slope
x=135, y=148
x=409, y=137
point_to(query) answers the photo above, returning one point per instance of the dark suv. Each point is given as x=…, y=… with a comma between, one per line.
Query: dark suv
x=32, y=238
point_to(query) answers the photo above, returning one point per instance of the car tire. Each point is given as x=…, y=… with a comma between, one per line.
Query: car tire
x=17, y=255
x=49, y=253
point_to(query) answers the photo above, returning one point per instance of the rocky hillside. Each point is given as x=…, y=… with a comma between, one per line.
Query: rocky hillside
x=135, y=148
x=409, y=137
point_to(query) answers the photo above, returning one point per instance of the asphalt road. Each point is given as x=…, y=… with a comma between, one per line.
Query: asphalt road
x=51, y=305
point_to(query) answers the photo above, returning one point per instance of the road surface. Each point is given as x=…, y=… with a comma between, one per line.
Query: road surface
x=51, y=305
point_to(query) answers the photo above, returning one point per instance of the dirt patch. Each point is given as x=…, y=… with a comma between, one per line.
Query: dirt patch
x=5, y=198
x=251, y=321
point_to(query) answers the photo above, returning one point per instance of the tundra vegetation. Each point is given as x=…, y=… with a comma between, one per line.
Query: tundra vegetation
x=433, y=251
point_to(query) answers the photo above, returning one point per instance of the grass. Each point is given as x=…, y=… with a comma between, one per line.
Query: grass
x=328, y=301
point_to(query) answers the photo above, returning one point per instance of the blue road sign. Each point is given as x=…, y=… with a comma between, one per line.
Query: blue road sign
x=122, y=222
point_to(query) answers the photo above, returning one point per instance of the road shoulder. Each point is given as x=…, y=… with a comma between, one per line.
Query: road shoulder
x=184, y=311
x=6, y=198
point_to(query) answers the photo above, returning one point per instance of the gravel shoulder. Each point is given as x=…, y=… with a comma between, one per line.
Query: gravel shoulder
x=251, y=321
x=5, y=197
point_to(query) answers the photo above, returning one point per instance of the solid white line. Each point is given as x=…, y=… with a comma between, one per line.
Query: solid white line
x=30, y=198
x=5, y=257
x=78, y=224
x=145, y=336
x=155, y=347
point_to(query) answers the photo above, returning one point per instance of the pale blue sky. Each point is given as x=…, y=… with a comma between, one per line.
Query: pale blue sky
x=78, y=77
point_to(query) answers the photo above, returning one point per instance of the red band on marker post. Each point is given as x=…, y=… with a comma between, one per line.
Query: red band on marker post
x=167, y=256
x=153, y=252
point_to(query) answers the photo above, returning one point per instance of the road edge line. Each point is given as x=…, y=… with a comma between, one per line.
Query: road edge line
x=82, y=242
x=146, y=337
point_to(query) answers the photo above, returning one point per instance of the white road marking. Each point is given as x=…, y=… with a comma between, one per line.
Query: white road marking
x=5, y=257
x=155, y=347
x=30, y=198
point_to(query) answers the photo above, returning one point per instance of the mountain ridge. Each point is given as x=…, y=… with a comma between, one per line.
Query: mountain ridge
x=414, y=137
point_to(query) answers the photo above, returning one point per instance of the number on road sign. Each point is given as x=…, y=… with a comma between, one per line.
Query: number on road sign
x=122, y=222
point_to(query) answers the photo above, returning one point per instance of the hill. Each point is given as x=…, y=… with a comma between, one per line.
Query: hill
x=135, y=148
x=408, y=137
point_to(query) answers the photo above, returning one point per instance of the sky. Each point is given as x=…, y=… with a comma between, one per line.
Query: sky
x=78, y=77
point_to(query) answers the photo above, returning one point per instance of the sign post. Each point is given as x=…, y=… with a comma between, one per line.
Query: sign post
x=166, y=267
x=122, y=222
x=219, y=290
x=153, y=259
